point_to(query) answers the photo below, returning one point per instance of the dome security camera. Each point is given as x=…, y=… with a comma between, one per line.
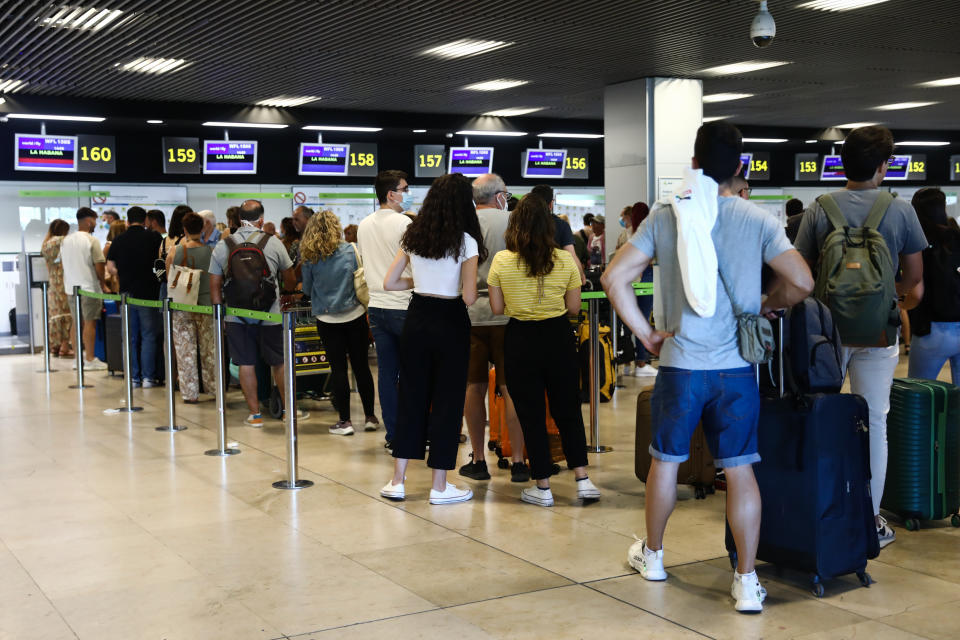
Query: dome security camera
x=763, y=29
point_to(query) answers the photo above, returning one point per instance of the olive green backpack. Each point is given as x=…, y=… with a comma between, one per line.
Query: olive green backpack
x=855, y=278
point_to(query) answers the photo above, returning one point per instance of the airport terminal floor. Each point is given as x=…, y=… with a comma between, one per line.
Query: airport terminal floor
x=110, y=529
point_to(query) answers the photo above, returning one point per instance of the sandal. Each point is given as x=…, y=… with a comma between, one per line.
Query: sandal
x=68, y=354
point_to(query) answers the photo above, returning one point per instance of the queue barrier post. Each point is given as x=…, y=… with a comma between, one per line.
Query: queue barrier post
x=45, y=314
x=125, y=350
x=222, y=449
x=290, y=406
x=593, y=309
x=168, y=369
x=78, y=348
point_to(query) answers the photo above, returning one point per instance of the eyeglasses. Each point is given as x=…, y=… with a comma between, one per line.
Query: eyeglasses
x=406, y=189
x=506, y=193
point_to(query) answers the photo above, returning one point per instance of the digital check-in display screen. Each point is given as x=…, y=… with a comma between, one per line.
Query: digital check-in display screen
x=544, y=163
x=324, y=159
x=45, y=153
x=833, y=169
x=898, y=167
x=471, y=161
x=745, y=158
x=229, y=156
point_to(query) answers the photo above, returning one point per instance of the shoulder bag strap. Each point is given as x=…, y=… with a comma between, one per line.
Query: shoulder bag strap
x=834, y=214
x=357, y=253
x=879, y=210
x=733, y=303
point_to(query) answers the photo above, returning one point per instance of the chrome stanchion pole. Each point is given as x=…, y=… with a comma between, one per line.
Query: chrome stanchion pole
x=290, y=406
x=222, y=449
x=78, y=348
x=125, y=350
x=593, y=307
x=45, y=314
x=168, y=369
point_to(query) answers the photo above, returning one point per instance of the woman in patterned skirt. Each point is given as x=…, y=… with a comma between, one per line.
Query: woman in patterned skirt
x=59, y=312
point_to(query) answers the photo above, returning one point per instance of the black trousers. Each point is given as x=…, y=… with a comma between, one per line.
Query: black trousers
x=541, y=356
x=343, y=340
x=434, y=354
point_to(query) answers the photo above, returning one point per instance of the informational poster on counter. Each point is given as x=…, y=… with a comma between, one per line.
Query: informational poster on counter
x=350, y=204
x=124, y=196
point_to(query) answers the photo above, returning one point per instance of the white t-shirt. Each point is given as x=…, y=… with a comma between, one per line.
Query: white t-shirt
x=441, y=277
x=78, y=253
x=378, y=238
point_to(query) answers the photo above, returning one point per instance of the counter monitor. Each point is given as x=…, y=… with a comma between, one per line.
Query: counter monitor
x=471, y=161
x=181, y=155
x=898, y=167
x=745, y=159
x=324, y=159
x=954, y=168
x=45, y=153
x=230, y=156
x=806, y=167
x=918, y=167
x=544, y=163
x=832, y=169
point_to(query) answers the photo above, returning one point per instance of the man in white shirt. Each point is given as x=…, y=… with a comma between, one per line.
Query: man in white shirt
x=83, y=266
x=378, y=238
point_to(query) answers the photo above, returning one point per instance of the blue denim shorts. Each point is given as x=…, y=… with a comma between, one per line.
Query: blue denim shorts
x=726, y=401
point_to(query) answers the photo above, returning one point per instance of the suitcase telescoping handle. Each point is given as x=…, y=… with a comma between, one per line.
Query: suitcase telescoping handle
x=780, y=380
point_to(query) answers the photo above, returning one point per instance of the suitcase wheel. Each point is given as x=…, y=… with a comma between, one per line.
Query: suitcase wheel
x=276, y=405
x=492, y=445
x=817, y=589
x=865, y=578
x=699, y=493
x=463, y=438
x=912, y=524
x=955, y=519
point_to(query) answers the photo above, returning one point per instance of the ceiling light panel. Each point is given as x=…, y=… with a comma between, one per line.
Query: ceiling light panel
x=286, y=101
x=922, y=143
x=587, y=136
x=715, y=118
x=856, y=125
x=39, y=116
x=896, y=106
x=943, y=82
x=505, y=134
x=495, y=85
x=465, y=47
x=154, y=65
x=250, y=125
x=11, y=86
x=738, y=68
x=838, y=5
x=765, y=140
x=726, y=97
x=78, y=17
x=514, y=111
x=324, y=127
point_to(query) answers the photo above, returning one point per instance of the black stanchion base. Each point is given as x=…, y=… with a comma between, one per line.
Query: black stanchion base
x=286, y=484
x=45, y=371
x=225, y=452
x=600, y=448
x=176, y=427
x=80, y=386
x=122, y=410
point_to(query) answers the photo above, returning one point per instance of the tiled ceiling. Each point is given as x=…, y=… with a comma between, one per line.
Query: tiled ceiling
x=367, y=54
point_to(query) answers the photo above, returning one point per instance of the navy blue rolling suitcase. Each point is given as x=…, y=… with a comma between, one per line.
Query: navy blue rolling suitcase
x=814, y=479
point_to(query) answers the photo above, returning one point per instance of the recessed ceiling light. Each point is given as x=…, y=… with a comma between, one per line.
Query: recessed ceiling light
x=726, y=97
x=419, y=130
x=838, y=5
x=38, y=116
x=856, y=125
x=922, y=143
x=513, y=111
x=943, y=82
x=495, y=85
x=903, y=105
x=742, y=67
x=77, y=17
x=154, y=65
x=286, y=101
x=715, y=118
x=507, y=134
x=323, y=127
x=249, y=125
x=588, y=136
x=810, y=141
x=11, y=86
x=154, y=121
x=765, y=140
x=465, y=47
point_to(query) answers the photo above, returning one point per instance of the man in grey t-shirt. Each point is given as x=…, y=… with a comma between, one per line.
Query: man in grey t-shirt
x=702, y=376
x=866, y=152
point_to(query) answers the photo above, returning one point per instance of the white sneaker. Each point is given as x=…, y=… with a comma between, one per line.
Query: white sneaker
x=884, y=533
x=393, y=491
x=586, y=490
x=94, y=365
x=450, y=495
x=645, y=371
x=301, y=414
x=536, y=495
x=648, y=563
x=748, y=593
x=342, y=428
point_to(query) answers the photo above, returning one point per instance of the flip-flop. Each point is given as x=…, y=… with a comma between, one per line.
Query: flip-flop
x=67, y=355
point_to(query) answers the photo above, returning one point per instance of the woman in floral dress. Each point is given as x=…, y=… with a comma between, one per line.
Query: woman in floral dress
x=59, y=312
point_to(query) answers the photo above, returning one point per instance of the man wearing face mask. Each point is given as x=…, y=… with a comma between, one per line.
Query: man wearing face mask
x=378, y=238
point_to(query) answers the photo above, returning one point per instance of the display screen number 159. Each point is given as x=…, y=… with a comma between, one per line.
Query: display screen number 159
x=182, y=155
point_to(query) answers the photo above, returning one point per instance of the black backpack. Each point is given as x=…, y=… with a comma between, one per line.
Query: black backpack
x=248, y=284
x=941, y=279
x=810, y=350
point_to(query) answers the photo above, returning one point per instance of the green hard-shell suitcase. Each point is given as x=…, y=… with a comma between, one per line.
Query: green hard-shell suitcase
x=923, y=468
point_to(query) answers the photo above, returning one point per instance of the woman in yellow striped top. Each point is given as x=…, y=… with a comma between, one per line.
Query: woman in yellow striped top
x=538, y=285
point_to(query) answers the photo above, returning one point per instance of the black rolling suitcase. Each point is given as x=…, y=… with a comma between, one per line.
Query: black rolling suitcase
x=113, y=343
x=814, y=479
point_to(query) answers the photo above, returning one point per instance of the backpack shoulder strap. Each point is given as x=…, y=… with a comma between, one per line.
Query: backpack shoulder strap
x=262, y=242
x=879, y=210
x=231, y=243
x=834, y=214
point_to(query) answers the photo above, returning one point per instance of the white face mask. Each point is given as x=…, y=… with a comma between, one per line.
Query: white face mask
x=505, y=203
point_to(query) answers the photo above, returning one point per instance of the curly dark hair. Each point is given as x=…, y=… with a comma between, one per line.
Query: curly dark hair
x=447, y=213
x=530, y=233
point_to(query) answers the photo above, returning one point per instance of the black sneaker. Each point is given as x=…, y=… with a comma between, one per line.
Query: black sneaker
x=388, y=445
x=475, y=470
x=519, y=472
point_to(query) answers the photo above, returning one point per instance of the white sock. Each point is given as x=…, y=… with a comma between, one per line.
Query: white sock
x=741, y=576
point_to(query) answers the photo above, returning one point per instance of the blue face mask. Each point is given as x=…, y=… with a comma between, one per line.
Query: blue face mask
x=407, y=203
x=623, y=223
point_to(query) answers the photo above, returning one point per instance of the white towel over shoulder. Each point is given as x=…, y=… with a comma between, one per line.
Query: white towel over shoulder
x=695, y=207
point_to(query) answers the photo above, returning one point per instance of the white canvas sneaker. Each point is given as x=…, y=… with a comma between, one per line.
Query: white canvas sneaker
x=648, y=563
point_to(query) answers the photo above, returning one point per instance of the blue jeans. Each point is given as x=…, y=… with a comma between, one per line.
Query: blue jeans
x=386, y=325
x=929, y=352
x=726, y=401
x=145, y=330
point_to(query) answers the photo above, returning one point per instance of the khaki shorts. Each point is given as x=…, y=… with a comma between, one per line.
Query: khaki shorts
x=90, y=308
x=486, y=347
